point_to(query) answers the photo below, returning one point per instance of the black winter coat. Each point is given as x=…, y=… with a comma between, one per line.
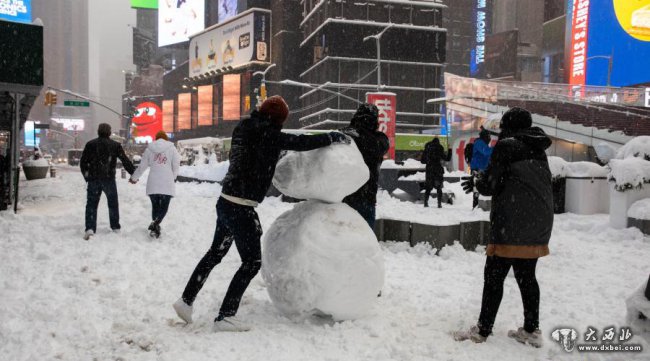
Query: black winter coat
x=99, y=158
x=255, y=151
x=519, y=180
x=433, y=156
x=372, y=145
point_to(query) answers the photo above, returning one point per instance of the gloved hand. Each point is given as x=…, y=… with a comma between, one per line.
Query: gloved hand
x=468, y=184
x=339, y=138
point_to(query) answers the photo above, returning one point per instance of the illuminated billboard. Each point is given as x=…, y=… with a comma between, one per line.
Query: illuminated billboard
x=482, y=17
x=239, y=41
x=145, y=4
x=205, y=109
x=184, y=111
x=147, y=121
x=16, y=10
x=31, y=137
x=231, y=97
x=227, y=9
x=610, y=42
x=178, y=19
x=168, y=115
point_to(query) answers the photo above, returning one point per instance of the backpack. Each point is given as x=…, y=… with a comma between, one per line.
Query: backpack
x=469, y=150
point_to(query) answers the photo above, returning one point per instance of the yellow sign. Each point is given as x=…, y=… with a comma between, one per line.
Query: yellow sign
x=634, y=17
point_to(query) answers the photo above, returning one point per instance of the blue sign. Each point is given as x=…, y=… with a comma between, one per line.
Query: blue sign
x=477, y=53
x=16, y=10
x=619, y=31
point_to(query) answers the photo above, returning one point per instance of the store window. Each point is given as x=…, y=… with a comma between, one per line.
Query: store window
x=184, y=111
x=231, y=97
x=205, y=105
x=168, y=115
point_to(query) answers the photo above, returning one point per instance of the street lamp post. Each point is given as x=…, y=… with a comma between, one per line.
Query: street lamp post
x=262, y=93
x=610, y=59
x=377, y=38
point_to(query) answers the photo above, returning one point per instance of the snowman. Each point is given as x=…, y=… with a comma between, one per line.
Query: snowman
x=321, y=257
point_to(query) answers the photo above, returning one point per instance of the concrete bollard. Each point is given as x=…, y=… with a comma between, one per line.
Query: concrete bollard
x=123, y=172
x=52, y=172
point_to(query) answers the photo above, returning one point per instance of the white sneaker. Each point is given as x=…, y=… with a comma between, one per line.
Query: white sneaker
x=534, y=338
x=89, y=233
x=183, y=310
x=230, y=324
x=471, y=334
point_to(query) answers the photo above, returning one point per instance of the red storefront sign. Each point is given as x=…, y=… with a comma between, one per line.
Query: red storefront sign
x=578, y=54
x=387, y=105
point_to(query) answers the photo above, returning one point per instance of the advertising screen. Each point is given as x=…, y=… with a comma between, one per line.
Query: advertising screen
x=237, y=42
x=147, y=121
x=184, y=111
x=178, y=19
x=604, y=31
x=482, y=16
x=31, y=135
x=71, y=124
x=16, y=10
x=231, y=97
x=227, y=9
x=168, y=115
x=205, y=104
x=145, y=4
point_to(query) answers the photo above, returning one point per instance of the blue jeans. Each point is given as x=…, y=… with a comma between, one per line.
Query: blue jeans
x=159, y=206
x=94, y=192
x=234, y=223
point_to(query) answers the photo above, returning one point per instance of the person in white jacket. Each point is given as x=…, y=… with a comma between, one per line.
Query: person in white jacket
x=163, y=159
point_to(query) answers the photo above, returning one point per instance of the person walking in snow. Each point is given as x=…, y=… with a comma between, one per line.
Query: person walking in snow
x=256, y=145
x=519, y=181
x=481, y=152
x=433, y=156
x=372, y=144
x=164, y=162
x=97, y=164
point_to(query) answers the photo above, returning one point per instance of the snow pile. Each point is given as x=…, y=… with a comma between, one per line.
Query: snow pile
x=605, y=151
x=558, y=167
x=40, y=162
x=409, y=163
x=640, y=209
x=638, y=147
x=637, y=303
x=322, y=259
x=629, y=173
x=215, y=171
x=328, y=174
x=585, y=169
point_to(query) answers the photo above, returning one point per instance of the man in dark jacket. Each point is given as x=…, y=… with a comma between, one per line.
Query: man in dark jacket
x=97, y=165
x=433, y=156
x=519, y=180
x=373, y=145
x=256, y=145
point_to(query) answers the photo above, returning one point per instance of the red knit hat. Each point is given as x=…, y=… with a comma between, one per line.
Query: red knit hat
x=276, y=108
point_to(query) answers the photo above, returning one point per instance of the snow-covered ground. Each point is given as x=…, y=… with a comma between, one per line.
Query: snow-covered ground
x=63, y=298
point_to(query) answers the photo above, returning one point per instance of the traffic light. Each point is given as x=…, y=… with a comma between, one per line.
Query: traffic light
x=50, y=98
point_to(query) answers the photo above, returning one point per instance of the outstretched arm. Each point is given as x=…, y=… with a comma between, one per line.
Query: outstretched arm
x=303, y=142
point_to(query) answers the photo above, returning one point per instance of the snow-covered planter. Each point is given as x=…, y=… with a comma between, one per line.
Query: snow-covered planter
x=558, y=172
x=639, y=215
x=36, y=169
x=629, y=180
x=638, y=312
x=587, y=190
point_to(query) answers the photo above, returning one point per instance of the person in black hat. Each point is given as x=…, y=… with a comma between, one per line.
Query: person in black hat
x=433, y=156
x=372, y=144
x=256, y=145
x=519, y=180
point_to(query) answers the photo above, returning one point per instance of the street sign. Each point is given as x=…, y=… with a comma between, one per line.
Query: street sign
x=76, y=103
x=41, y=126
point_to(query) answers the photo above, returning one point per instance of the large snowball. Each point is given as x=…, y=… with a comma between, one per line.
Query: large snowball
x=328, y=174
x=322, y=259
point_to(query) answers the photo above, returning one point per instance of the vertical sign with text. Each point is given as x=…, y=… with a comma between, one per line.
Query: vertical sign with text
x=387, y=105
x=578, y=57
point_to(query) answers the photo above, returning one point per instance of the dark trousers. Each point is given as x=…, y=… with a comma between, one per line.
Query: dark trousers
x=159, y=206
x=496, y=270
x=367, y=210
x=428, y=187
x=241, y=224
x=94, y=192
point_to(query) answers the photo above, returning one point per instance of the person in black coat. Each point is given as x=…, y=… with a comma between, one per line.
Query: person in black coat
x=256, y=145
x=97, y=164
x=521, y=220
x=433, y=156
x=372, y=144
